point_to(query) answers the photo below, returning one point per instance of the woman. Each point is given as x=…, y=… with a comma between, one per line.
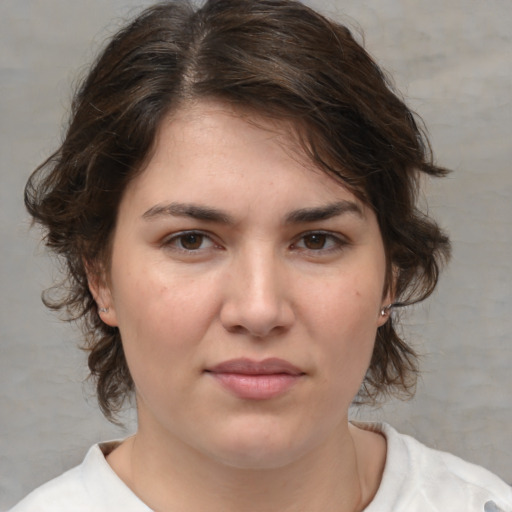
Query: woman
x=235, y=201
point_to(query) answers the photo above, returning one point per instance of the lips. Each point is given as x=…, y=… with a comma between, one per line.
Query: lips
x=256, y=380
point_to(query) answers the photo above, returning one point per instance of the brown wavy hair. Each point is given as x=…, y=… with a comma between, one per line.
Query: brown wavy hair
x=280, y=59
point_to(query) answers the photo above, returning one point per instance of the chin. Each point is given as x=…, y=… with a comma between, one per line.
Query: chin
x=261, y=445
x=257, y=458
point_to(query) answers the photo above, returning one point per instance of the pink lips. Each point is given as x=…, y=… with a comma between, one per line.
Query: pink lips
x=256, y=380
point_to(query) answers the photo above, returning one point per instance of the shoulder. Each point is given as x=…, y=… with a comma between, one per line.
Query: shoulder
x=426, y=480
x=56, y=495
x=91, y=486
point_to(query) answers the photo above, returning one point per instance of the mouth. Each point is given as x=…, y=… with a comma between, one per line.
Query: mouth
x=256, y=380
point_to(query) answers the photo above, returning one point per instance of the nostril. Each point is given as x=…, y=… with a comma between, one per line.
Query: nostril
x=236, y=329
x=256, y=333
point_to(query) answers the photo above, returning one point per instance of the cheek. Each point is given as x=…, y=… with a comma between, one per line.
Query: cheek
x=161, y=315
x=347, y=303
x=161, y=327
x=343, y=319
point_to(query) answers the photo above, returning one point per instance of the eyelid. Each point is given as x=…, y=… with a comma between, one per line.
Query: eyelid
x=167, y=241
x=340, y=240
x=337, y=242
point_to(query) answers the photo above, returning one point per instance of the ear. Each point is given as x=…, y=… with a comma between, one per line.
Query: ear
x=388, y=298
x=384, y=312
x=100, y=289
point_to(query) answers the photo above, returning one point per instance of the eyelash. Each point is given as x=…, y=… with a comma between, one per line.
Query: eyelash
x=171, y=241
x=336, y=242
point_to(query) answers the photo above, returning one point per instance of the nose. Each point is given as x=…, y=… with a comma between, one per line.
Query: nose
x=257, y=300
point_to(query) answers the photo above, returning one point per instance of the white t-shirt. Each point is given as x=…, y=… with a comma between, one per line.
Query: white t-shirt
x=415, y=479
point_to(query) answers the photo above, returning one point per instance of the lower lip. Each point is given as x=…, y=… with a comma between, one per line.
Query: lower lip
x=256, y=387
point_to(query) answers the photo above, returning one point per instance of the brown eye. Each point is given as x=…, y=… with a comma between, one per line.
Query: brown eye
x=320, y=243
x=191, y=241
x=315, y=241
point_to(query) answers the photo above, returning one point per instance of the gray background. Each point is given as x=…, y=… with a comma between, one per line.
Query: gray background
x=452, y=61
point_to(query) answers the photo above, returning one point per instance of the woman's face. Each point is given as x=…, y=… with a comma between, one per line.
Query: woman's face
x=247, y=287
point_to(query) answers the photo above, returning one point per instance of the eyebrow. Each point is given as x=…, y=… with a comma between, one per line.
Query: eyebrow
x=324, y=212
x=210, y=214
x=193, y=211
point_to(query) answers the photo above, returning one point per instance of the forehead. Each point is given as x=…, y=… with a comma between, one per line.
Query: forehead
x=210, y=153
x=195, y=122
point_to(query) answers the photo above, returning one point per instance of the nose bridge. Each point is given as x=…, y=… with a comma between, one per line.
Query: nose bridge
x=259, y=266
x=256, y=300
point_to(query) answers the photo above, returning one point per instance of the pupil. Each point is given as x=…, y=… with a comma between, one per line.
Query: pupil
x=191, y=241
x=315, y=241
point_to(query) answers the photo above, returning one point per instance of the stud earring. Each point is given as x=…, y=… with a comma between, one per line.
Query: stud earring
x=385, y=310
x=103, y=310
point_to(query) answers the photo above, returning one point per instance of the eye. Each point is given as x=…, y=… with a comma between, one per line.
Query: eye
x=315, y=241
x=318, y=241
x=189, y=241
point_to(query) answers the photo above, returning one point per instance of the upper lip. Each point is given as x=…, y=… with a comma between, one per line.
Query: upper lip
x=245, y=366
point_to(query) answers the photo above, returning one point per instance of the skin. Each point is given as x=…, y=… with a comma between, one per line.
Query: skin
x=268, y=283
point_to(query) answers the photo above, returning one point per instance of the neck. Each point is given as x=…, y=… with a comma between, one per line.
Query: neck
x=334, y=477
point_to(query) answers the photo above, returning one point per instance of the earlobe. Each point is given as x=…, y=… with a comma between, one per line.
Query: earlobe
x=388, y=299
x=108, y=316
x=100, y=290
x=385, y=310
x=384, y=314
x=386, y=307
